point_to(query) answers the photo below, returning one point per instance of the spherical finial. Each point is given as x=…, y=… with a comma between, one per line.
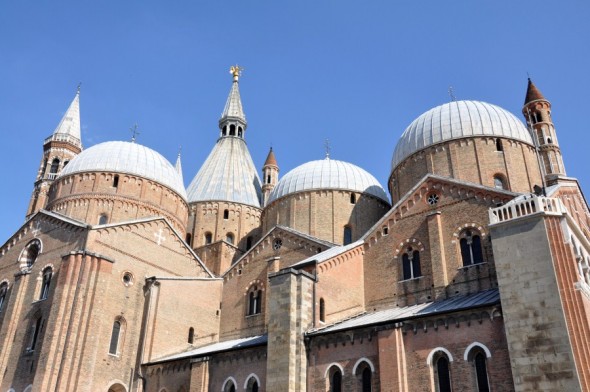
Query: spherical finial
x=236, y=71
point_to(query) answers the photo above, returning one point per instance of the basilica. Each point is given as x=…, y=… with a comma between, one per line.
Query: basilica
x=470, y=273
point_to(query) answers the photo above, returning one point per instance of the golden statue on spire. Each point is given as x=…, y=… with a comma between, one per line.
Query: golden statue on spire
x=236, y=71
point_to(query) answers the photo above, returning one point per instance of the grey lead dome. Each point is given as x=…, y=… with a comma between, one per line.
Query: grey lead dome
x=130, y=158
x=455, y=120
x=328, y=174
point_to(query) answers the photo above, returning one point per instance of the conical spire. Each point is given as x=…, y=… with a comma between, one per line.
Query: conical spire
x=271, y=160
x=178, y=167
x=533, y=93
x=70, y=122
x=233, y=110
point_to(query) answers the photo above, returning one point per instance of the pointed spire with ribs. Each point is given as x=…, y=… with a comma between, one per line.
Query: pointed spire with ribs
x=533, y=93
x=69, y=126
x=233, y=120
x=178, y=167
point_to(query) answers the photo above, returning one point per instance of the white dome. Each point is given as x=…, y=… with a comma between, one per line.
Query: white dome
x=458, y=119
x=130, y=158
x=328, y=174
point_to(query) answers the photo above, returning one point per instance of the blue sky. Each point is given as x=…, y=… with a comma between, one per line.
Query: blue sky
x=356, y=73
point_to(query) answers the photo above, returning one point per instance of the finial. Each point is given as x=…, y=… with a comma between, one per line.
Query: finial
x=528, y=76
x=452, y=94
x=327, y=146
x=135, y=132
x=78, y=88
x=236, y=71
x=179, y=150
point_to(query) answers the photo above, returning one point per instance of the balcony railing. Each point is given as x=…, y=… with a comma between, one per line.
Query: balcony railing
x=525, y=207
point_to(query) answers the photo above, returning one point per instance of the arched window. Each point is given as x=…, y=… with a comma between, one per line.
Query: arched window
x=352, y=198
x=229, y=385
x=254, y=301
x=191, y=335
x=499, y=182
x=34, y=333
x=229, y=237
x=471, y=251
x=116, y=181
x=481, y=372
x=443, y=375
x=240, y=131
x=103, y=219
x=499, y=146
x=54, y=166
x=347, y=238
x=366, y=380
x=248, y=242
x=3, y=295
x=268, y=179
x=232, y=130
x=208, y=238
x=252, y=383
x=66, y=163
x=224, y=130
x=30, y=253
x=322, y=310
x=225, y=214
x=189, y=237
x=46, y=283
x=115, y=337
x=117, y=388
x=411, y=264
x=363, y=370
x=336, y=380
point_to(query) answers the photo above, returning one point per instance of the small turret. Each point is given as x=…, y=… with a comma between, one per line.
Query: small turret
x=270, y=175
x=233, y=120
x=537, y=111
x=58, y=150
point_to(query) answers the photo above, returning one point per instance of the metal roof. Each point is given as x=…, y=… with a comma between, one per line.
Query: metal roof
x=453, y=304
x=233, y=105
x=70, y=122
x=458, y=119
x=127, y=157
x=228, y=345
x=328, y=174
x=329, y=253
x=228, y=174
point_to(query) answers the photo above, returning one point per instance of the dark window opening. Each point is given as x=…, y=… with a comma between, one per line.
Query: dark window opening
x=254, y=387
x=116, y=181
x=411, y=264
x=268, y=179
x=54, y=166
x=549, y=141
x=248, y=242
x=208, y=238
x=499, y=183
x=189, y=237
x=229, y=238
x=336, y=382
x=366, y=379
x=352, y=198
x=499, y=146
x=224, y=131
x=66, y=163
x=322, y=310
x=347, y=235
x=240, y=131
x=225, y=214
x=3, y=295
x=31, y=253
x=103, y=219
x=232, y=130
x=191, y=335
x=254, y=301
x=35, y=330
x=113, y=347
x=471, y=250
x=443, y=376
x=481, y=373
x=46, y=283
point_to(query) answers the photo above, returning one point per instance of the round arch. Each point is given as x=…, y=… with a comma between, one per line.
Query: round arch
x=117, y=386
x=477, y=344
x=438, y=349
x=361, y=360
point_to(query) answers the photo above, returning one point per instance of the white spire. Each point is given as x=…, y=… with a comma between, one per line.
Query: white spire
x=233, y=106
x=178, y=167
x=70, y=122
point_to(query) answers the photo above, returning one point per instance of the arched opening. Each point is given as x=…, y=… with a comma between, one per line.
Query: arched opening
x=347, y=235
x=499, y=182
x=115, y=337
x=229, y=238
x=232, y=130
x=189, y=238
x=66, y=163
x=335, y=379
x=249, y=241
x=30, y=253
x=252, y=383
x=3, y=295
x=443, y=376
x=268, y=179
x=54, y=166
x=471, y=250
x=254, y=301
x=352, y=198
x=322, y=310
x=240, y=131
x=363, y=371
x=225, y=214
x=34, y=333
x=103, y=219
x=366, y=382
x=224, y=130
x=46, y=283
x=481, y=372
x=208, y=238
x=411, y=264
x=229, y=385
x=116, y=181
x=191, y=335
x=117, y=388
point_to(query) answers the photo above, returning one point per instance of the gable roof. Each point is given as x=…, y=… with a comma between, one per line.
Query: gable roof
x=328, y=254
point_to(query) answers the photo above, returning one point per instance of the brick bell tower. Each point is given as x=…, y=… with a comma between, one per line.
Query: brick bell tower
x=537, y=111
x=270, y=175
x=58, y=150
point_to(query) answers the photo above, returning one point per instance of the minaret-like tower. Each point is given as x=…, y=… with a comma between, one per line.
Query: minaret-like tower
x=270, y=175
x=537, y=111
x=233, y=120
x=58, y=150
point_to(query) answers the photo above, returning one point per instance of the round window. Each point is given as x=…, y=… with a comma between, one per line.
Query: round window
x=432, y=199
x=276, y=245
x=127, y=279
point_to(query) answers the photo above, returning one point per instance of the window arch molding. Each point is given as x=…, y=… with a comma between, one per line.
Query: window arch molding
x=29, y=254
x=413, y=242
x=254, y=297
x=476, y=345
x=226, y=383
x=330, y=366
x=117, y=385
x=250, y=376
x=431, y=355
x=473, y=226
x=360, y=361
x=45, y=277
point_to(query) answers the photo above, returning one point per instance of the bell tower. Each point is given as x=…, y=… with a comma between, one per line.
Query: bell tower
x=270, y=175
x=58, y=150
x=537, y=111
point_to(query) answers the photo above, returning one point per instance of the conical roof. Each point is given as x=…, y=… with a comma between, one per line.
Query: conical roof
x=70, y=122
x=178, y=167
x=233, y=106
x=270, y=159
x=533, y=93
x=228, y=174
